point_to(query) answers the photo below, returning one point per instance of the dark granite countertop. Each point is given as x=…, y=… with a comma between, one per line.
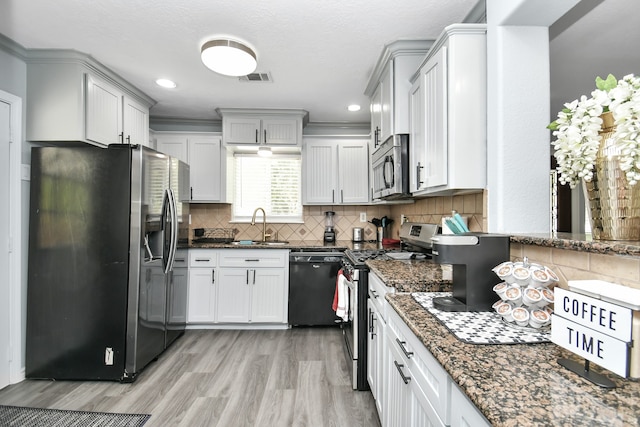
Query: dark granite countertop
x=412, y=275
x=522, y=384
x=579, y=242
x=307, y=245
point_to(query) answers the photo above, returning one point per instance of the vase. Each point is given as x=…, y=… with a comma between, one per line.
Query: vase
x=614, y=205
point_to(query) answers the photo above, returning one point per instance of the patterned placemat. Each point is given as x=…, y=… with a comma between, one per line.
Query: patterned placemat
x=481, y=327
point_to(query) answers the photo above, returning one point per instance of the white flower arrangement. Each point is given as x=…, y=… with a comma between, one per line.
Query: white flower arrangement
x=579, y=123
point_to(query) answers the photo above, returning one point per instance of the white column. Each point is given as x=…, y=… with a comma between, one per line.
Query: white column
x=518, y=149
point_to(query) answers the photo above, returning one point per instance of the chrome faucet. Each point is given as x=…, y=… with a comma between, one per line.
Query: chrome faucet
x=264, y=223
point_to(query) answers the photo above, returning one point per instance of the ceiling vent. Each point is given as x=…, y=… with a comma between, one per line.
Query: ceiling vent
x=256, y=77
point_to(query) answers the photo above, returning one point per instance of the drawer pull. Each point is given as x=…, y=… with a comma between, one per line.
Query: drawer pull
x=404, y=349
x=252, y=260
x=203, y=259
x=399, y=367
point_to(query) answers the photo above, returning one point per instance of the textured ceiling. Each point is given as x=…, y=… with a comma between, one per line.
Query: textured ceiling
x=320, y=53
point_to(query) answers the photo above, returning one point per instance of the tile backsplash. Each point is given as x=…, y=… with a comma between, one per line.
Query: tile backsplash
x=346, y=217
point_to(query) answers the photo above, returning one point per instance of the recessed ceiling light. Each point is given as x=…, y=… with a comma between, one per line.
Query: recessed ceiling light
x=353, y=107
x=169, y=84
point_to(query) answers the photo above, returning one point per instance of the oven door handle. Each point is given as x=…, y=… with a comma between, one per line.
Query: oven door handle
x=388, y=183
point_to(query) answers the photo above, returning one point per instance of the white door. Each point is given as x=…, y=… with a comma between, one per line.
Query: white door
x=5, y=165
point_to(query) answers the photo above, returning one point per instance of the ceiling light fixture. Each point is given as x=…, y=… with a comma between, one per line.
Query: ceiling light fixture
x=228, y=57
x=264, y=151
x=166, y=83
x=353, y=107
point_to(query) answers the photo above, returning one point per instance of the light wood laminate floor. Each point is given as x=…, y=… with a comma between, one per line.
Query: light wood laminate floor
x=227, y=378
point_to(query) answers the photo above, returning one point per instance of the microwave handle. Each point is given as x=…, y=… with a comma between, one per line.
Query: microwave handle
x=388, y=183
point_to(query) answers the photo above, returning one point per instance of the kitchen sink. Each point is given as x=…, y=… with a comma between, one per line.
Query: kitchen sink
x=259, y=243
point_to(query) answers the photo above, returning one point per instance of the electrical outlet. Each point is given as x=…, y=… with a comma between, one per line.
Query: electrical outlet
x=363, y=217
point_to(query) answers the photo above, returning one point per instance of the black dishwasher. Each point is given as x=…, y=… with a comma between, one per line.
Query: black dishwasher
x=312, y=284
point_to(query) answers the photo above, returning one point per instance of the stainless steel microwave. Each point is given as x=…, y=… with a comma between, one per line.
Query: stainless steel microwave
x=391, y=168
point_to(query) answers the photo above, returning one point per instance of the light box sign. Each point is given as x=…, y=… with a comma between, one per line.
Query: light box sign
x=593, y=329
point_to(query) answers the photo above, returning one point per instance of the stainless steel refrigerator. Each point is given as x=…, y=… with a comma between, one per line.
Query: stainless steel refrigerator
x=106, y=228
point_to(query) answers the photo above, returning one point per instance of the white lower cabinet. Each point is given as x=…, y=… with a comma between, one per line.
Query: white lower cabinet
x=178, y=290
x=253, y=295
x=235, y=286
x=464, y=413
x=203, y=278
x=375, y=355
x=417, y=383
x=418, y=391
x=253, y=286
x=377, y=343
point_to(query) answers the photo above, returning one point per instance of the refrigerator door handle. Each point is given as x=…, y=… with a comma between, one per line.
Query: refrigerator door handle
x=173, y=220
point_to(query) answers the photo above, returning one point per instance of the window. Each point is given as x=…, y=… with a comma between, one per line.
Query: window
x=272, y=183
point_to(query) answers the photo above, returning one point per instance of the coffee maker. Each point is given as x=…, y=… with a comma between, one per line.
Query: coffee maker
x=472, y=256
x=329, y=231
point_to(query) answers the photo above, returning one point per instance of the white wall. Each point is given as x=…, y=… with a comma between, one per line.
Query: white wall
x=518, y=152
x=13, y=79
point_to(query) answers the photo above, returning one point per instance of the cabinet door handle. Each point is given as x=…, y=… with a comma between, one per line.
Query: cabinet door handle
x=256, y=136
x=372, y=328
x=265, y=136
x=374, y=293
x=404, y=349
x=247, y=277
x=341, y=196
x=121, y=137
x=128, y=139
x=213, y=275
x=254, y=277
x=399, y=367
x=191, y=190
x=333, y=196
x=418, y=170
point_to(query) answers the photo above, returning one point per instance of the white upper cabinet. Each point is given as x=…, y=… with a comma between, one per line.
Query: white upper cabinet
x=257, y=126
x=207, y=160
x=73, y=98
x=113, y=117
x=388, y=87
x=448, y=137
x=207, y=177
x=335, y=172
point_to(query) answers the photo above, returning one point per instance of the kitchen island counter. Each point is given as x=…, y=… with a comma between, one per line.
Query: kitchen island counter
x=412, y=275
x=522, y=384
